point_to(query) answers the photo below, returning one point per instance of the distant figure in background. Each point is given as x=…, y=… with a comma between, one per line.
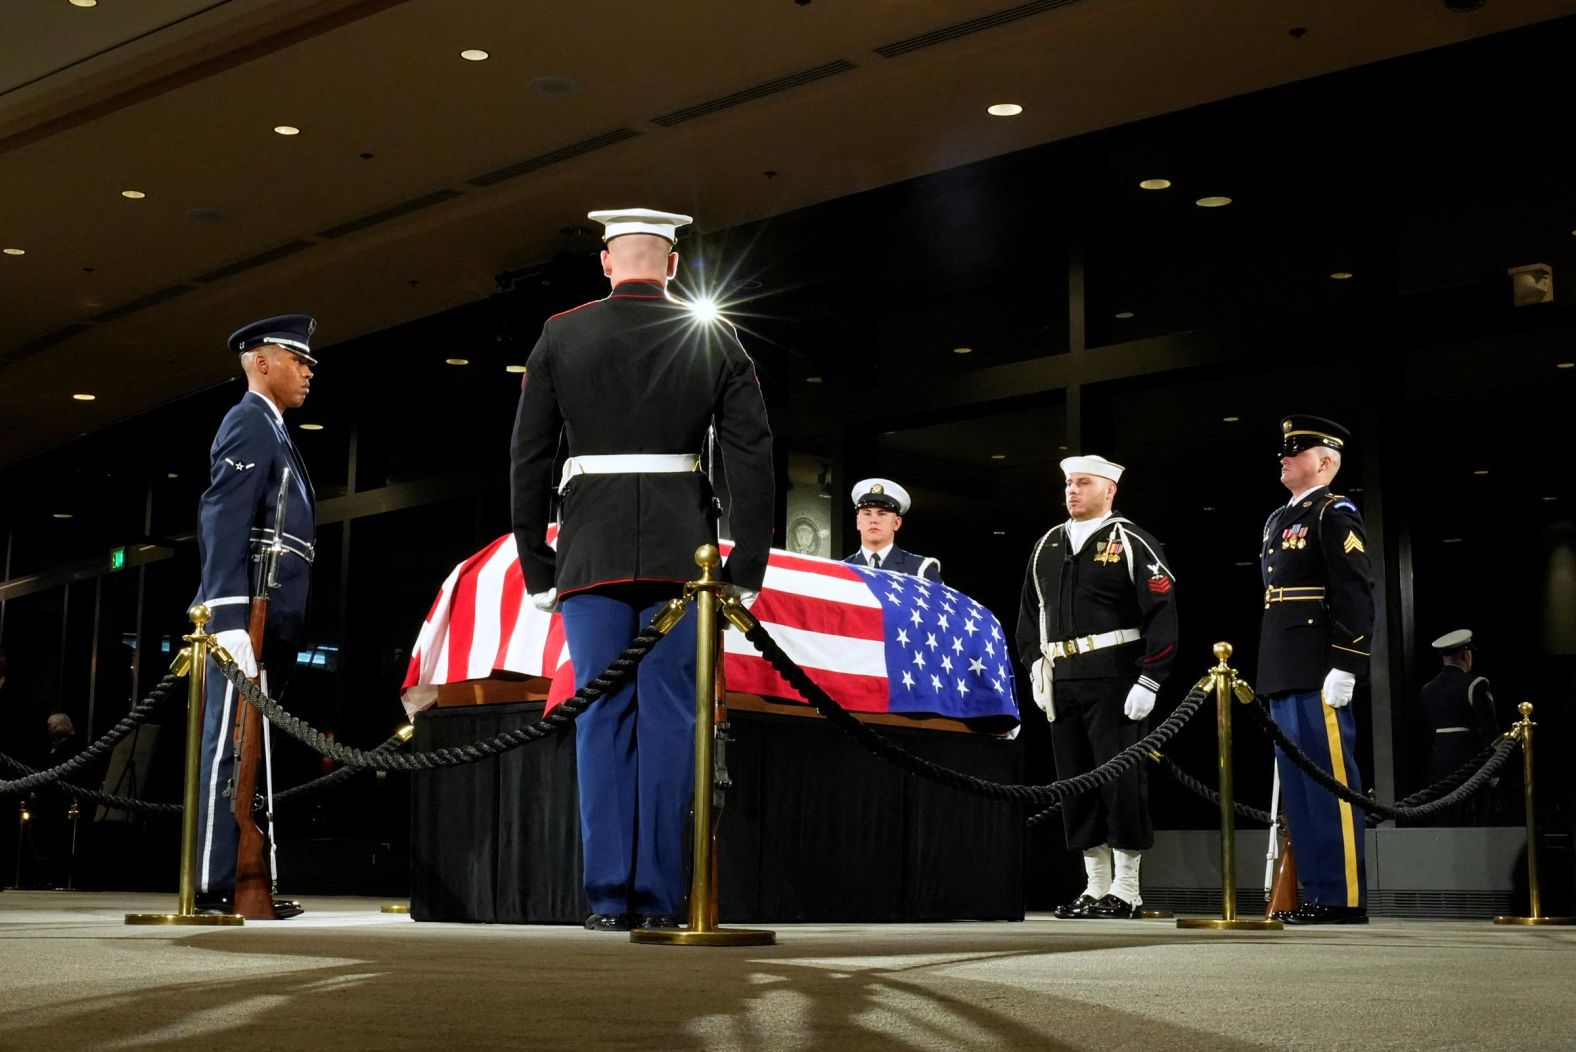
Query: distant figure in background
x=51, y=824
x=1458, y=721
x=879, y=507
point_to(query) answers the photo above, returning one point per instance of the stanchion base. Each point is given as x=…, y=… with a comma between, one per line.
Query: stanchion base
x=1155, y=915
x=397, y=907
x=1235, y=924
x=715, y=937
x=207, y=920
x=1552, y=921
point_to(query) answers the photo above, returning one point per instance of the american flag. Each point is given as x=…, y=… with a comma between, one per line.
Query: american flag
x=875, y=640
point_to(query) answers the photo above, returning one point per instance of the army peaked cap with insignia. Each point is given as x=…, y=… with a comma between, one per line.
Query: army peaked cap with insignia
x=293, y=332
x=881, y=493
x=1302, y=432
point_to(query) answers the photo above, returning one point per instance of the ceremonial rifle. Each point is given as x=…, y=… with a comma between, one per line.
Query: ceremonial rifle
x=254, y=893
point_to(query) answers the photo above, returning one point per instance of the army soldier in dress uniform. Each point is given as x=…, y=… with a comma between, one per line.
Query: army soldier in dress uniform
x=235, y=524
x=631, y=384
x=1313, y=644
x=1098, y=630
x=879, y=507
x=1458, y=720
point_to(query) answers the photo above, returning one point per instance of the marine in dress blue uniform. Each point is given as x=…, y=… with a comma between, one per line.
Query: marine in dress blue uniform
x=879, y=507
x=1314, y=643
x=631, y=384
x=235, y=522
x=1097, y=627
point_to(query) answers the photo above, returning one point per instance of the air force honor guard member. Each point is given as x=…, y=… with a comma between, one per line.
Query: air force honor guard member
x=880, y=505
x=1458, y=720
x=235, y=522
x=1098, y=630
x=1314, y=642
x=632, y=383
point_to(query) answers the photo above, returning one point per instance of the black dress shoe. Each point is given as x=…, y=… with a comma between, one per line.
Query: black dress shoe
x=1318, y=913
x=659, y=920
x=284, y=909
x=609, y=922
x=1078, y=909
x=215, y=905
x=1112, y=908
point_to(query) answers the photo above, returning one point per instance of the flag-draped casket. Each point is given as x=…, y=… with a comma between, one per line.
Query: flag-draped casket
x=875, y=640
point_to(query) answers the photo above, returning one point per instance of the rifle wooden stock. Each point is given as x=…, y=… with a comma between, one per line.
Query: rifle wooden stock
x=254, y=893
x=1283, y=894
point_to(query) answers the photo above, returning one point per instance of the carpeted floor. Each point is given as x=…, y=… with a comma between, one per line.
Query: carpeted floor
x=346, y=976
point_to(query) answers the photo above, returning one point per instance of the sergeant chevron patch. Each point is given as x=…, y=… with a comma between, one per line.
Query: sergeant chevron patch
x=1353, y=543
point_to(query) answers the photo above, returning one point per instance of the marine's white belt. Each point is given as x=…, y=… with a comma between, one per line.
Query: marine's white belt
x=628, y=464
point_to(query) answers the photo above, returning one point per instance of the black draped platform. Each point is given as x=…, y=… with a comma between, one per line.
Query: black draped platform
x=815, y=828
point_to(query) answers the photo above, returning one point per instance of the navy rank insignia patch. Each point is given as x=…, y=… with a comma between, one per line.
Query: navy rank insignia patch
x=1353, y=543
x=1160, y=584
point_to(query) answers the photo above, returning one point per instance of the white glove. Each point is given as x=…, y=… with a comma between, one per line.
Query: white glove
x=1338, y=687
x=1040, y=687
x=547, y=601
x=1140, y=702
x=746, y=596
x=239, y=644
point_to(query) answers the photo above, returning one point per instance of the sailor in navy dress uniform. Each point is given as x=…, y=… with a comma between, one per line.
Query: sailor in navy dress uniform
x=1314, y=643
x=1097, y=628
x=879, y=507
x=632, y=383
x=1458, y=720
x=235, y=523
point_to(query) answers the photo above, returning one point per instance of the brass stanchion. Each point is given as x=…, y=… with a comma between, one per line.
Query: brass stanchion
x=1523, y=733
x=23, y=817
x=703, y=929
x=191, y=662
x=1226, y=683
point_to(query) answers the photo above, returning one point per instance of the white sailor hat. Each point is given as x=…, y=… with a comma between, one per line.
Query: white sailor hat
x=881, y=493
x=617, y=222
x=1093, y=464
x=291, y=331
x=1460, y=639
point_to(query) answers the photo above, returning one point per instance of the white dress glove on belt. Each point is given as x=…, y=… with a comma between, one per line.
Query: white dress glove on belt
x=1140, y=702
x=547, y=601
x=1338, y=687
x=239, y=644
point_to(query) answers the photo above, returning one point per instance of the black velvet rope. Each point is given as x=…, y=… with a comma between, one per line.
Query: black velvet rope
x=562, y=717
x=1499, y=754
x=1169, y=765
x=138, y=714
x=1052, y=794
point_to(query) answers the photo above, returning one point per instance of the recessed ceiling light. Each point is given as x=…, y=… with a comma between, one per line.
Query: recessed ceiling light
x=1451, y=540
x=14, y=251
x=286, y=129
x=999, y=533
x=1245, y=563
x=1123, y=314
x=812, y=379
x=456, y=361
x=135, y=195
x=1213, y=202
x=310, y=427
x=472, y=54
x=514, y=368
x=84, y=3
x=962, y=350
x=1155, y=184
x=171, y=475
x=61, y=515
x=1062, y=448
x=84, y=397
x=1341, y=275
x=1557, y=365
x=1209, y=507
x=1230, y=419
x=1551, y=498
x=1481, y=471
x=1004, y=109
x=998, y=456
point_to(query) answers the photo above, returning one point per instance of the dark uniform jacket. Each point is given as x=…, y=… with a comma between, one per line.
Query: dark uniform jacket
x=900, y=561
x=235, y=520
x=1118, y=579
x=636, y=373
x=1453, y=699
x=1317, y=551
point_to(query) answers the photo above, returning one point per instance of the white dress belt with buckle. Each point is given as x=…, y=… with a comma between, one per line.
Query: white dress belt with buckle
x=628, y=464
x=1099, y=641
x=1452, y=730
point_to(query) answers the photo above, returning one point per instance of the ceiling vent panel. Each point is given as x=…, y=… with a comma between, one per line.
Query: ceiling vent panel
x=252, y=262
x=760, y=91
x=973, y=25
x=544, y=160
x=49, y=339
x=415, y=204
x=150, y=300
